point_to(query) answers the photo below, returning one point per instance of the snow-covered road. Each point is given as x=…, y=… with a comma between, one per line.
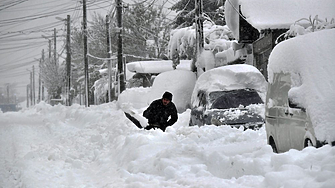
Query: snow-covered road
x=60, y=146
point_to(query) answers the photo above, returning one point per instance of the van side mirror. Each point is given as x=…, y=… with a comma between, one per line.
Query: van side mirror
x=291, y=104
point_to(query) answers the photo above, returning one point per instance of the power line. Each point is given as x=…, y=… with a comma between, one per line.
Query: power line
x=15, y=66
x=11, y=4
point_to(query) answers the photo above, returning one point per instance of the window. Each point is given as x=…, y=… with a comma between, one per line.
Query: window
x=235, y=98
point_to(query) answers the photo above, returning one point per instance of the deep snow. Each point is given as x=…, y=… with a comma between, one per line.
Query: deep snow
x=61, y=146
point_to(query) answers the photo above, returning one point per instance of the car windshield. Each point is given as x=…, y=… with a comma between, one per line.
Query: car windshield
x=234, y=98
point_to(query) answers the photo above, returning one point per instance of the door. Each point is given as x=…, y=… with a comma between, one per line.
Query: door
x=297, y=118
x=277, y=102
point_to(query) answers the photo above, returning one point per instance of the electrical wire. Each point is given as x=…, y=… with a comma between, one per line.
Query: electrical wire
x=11, y=4
x=19, y=36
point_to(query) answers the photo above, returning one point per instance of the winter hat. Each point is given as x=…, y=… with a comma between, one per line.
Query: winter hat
x=167, y=95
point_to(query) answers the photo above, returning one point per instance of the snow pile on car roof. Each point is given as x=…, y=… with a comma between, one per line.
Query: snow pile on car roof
x=312, y=57
x=231, y=77
x=155, y=67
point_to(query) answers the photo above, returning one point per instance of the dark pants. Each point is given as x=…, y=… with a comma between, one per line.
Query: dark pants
x=152, y=126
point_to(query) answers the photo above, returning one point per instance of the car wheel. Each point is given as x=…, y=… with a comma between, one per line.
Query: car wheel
x=273, y=145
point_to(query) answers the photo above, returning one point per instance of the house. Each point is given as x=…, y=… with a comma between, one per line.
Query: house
x=260, y=22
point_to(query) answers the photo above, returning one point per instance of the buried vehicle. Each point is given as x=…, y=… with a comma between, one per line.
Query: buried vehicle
x=230, y=95
x=300, y=102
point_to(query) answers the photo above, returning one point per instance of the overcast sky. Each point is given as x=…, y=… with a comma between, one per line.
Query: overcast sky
x=22, y=25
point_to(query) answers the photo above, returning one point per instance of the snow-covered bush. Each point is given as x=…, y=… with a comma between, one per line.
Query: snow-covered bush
x=315, y=24
x=218, y=46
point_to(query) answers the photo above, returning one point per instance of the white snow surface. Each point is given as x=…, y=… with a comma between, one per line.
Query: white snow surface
x=277, y=14
x=281, y=14
x=312, y=57
x=155, y=67
x=60, y=146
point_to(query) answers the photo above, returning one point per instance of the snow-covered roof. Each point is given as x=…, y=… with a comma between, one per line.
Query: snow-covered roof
x=277, y=14
x=155, y=67
x=312, y=57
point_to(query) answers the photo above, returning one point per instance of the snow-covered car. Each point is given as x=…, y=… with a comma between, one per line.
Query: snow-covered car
x=230, y=95
x=300, y=102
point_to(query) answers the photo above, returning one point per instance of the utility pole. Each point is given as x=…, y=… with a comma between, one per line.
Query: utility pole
x=49, y=50
x=34, y=101
x=68, y=61
x=8, y=101
x=199, y=27
x=55, y=50
x=87, y=104
x=31, y=88
x=40, y=74
x=40, y=85
x=109, y=61
x=121, y=84
x=27, y=95
x=80, y=94
x=39, y=81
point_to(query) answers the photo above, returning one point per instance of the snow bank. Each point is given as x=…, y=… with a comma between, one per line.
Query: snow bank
x=312, y=57
x=59, y=146
x=231, y=77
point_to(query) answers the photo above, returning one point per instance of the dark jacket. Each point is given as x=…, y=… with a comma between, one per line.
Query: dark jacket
x=158, y=114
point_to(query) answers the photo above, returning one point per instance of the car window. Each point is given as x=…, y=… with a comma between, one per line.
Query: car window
x=235, y=98
x=215, y=95
x=278, y=90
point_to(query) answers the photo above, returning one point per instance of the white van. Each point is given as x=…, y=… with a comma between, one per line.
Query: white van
x=300, y=102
